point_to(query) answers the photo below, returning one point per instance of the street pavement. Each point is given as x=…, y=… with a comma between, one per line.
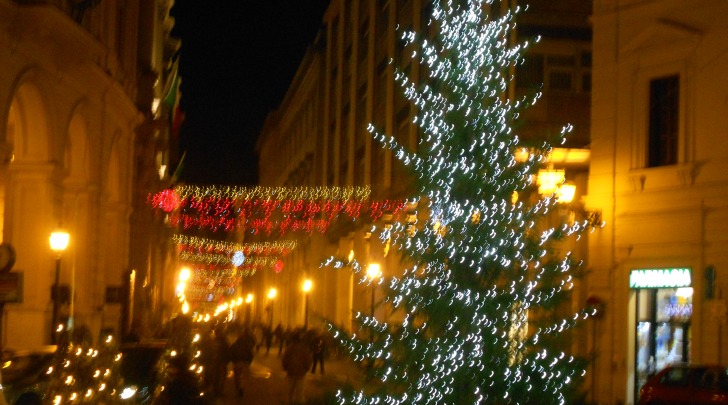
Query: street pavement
x=267, y=383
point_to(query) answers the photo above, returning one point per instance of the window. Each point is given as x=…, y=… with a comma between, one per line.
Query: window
x=663, y=121
x=557, y=72
x=560, y=72
x=529, y=74
x=560, y=80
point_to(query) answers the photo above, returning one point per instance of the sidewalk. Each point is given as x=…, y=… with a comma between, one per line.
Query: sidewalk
x=268, y=385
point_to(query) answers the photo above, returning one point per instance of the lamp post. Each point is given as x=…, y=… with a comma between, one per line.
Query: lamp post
x=373, y=272
x=248, y=304
x=307, y=285
x=271, y=296
x=59, y=243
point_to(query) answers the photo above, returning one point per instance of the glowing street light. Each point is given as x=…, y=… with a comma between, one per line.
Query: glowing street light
x=374, y=271
x=184, y=274
x=307, y=286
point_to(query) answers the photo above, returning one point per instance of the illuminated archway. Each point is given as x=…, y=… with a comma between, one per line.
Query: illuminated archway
x=27, y=127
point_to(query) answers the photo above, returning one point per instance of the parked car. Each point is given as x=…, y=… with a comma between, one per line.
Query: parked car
x=24, y=378
x=686, y=384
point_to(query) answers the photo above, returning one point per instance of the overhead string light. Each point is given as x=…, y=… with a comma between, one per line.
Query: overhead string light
x=275, y=248
x=268, y=210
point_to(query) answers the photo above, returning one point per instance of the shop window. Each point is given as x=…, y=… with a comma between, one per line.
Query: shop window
x=663, y=330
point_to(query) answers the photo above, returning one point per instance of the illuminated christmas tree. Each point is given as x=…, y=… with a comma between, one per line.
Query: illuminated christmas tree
x=480, y=311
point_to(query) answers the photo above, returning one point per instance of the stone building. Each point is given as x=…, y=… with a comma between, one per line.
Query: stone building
x=80, y=85
x=658, y=175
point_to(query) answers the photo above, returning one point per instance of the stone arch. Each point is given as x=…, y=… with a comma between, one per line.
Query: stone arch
x=113, y=174
x=27, y=130
x=78, y=153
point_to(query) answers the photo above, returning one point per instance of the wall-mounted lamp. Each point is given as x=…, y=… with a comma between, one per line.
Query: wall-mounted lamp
x=565, y=193
x=549, y=181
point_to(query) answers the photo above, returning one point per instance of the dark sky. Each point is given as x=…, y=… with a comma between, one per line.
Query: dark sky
x=237, y=59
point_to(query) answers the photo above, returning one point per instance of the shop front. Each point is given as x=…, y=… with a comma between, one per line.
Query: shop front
x=664, y=308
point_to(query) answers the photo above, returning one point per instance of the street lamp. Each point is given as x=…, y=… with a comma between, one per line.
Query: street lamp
x=373, y=272
x=307, y=285
x=271, y=296
x=184, y=276
x=59, y=243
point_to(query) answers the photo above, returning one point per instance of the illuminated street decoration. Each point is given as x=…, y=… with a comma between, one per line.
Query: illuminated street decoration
x=236, y=193
x=191, y=243
x=268, y=210
x=217, y=267
x=238, y=258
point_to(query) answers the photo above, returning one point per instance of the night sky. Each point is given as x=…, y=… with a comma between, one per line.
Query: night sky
x=236, y=62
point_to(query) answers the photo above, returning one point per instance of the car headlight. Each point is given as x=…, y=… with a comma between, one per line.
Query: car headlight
x=128, y=392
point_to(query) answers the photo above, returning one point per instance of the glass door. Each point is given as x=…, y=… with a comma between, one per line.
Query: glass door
x=662, y=335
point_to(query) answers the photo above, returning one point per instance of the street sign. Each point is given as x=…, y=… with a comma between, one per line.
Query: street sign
x=11, y=287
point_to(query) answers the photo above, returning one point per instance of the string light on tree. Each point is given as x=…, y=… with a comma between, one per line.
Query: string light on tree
x=477, y=299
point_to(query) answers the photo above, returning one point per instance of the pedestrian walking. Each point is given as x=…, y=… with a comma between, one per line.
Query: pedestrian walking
x=278, y=335
x=296, y=361
x=268, y=337
x=318, y=350
x=241, y=354
x=220, y=360
x=285, y=339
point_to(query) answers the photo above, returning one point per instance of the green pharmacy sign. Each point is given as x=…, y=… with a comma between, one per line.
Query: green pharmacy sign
x=660, y=278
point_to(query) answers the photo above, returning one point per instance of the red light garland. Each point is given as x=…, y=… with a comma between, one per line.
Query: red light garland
x=268, y=209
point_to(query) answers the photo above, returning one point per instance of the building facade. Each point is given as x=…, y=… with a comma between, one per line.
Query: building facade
x=658, y=176
x=318, y=136
x=77, y=81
